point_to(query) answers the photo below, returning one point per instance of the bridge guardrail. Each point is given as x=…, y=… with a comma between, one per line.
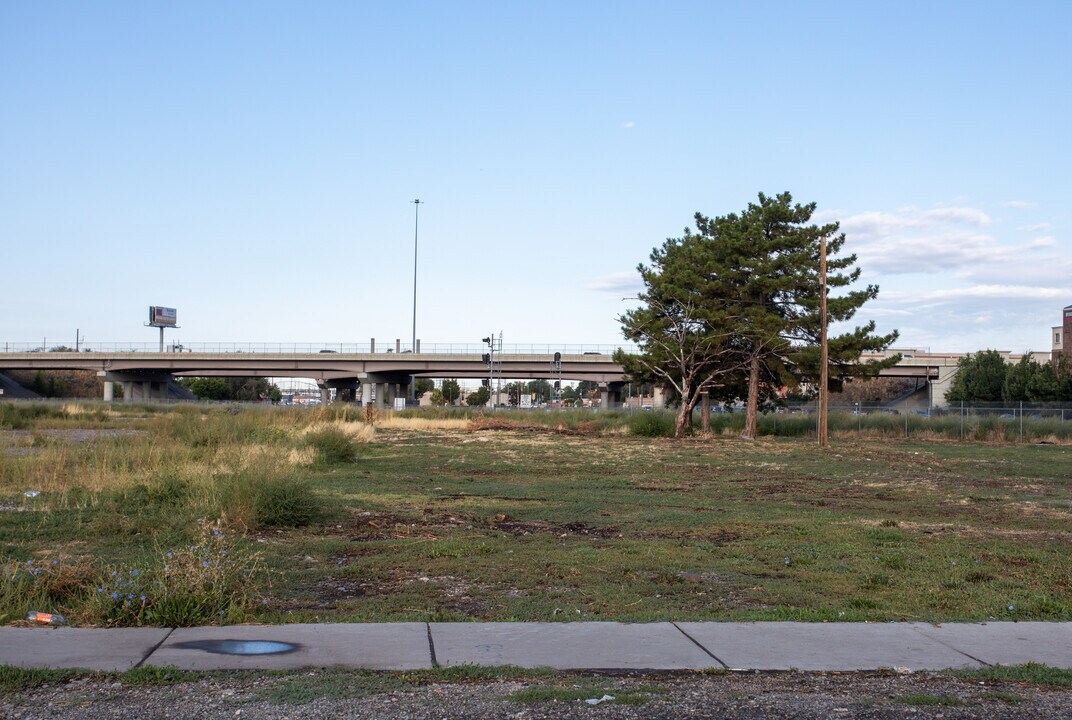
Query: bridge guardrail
x=312, y=348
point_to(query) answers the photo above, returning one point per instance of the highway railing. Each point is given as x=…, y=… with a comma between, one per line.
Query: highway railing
x=325, y=347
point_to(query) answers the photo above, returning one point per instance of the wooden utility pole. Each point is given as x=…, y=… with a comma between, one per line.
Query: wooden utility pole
x=824, y=393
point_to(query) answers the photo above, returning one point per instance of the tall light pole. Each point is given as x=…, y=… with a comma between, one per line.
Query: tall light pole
x=824, y=368
x=413, y=342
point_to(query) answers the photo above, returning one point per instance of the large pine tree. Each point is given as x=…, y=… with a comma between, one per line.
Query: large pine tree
x=767, y=258
x=749, y=285
x=683, y=329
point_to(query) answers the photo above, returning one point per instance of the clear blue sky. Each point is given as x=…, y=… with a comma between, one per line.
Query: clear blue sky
x=252, y=163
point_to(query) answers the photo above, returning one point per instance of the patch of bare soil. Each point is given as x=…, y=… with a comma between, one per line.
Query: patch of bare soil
x=363, y=525
x=480, y=424
x=713, y=536
x=534, y=527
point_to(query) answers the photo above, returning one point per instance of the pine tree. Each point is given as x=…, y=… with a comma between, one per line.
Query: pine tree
x=766, y=264
x=735, y=308
x=683, y=328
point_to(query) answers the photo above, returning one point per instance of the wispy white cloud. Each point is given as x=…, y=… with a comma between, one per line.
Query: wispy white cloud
x=629, y=124
x=625, y=283
x=1008, y=317
x=987, y=292
x=956, y=278
x=953, y=240
x=1019, y=204
x=966, y=215
x=1047, y=241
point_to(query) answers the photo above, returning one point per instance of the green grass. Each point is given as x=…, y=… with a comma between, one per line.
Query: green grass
x=338, y=684
x=14, y=679
x=551, y=693
x=1034, y=673
x=560, y=521
x=1002, y=696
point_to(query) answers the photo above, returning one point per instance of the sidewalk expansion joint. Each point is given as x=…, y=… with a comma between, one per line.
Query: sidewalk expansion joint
x=954, y=649
x=153, y=649
x=694, y=642
x=431, y=645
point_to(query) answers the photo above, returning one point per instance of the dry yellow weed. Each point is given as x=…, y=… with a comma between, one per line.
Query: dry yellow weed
x=355, y=430
x=411, y=423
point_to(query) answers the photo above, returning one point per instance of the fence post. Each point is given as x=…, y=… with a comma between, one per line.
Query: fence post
x=1021, y=422
x=961, y=419
x=906, y=418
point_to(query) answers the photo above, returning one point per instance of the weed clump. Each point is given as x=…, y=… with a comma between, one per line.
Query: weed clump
x=212, y=580
x=651, y=424
x=286, y=502
x=333, y=446
x=49, y=585
x=263, y=496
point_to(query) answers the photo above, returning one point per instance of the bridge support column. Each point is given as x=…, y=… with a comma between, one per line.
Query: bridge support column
x=939, y=386
x=128, y=391
x=381, y=394
x=325, y=395
x=366, y=393
x=146, y=391
x=109, y=391
x=610, y=395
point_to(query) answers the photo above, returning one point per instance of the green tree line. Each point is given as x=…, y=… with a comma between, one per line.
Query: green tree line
x=986, y=377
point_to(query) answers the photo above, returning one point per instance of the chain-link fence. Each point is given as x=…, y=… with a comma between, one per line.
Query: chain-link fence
x=1003, y=422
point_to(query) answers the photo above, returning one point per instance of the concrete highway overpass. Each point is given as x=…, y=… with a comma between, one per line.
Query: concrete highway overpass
x=145, y=374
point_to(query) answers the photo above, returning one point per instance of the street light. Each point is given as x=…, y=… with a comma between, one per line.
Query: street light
x=413, y=342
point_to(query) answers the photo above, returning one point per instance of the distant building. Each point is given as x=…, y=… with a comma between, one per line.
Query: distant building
x=1062, y=344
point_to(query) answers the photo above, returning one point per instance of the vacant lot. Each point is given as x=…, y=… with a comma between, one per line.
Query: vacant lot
x=191, y=515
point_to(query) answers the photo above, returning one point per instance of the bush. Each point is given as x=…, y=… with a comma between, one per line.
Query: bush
x=49, y=585
x=652, y=424
x=267, y=496
x=211, y=580
x=286, y=502
x=17, y=416
x=332, y=445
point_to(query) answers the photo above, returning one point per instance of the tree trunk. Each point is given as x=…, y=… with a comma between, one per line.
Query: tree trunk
x=683, y=420
x=705, y=412
x=751, y=411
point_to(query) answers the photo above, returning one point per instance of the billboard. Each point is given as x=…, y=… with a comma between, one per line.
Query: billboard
x=162, y=316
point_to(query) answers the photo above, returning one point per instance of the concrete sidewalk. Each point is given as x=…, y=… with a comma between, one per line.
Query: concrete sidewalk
x=565, y=646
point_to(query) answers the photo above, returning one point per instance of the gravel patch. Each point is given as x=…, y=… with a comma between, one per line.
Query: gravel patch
x=17, y=442
x=758, y=696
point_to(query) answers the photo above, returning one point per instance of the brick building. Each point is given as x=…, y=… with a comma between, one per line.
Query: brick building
x=1062, y=335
